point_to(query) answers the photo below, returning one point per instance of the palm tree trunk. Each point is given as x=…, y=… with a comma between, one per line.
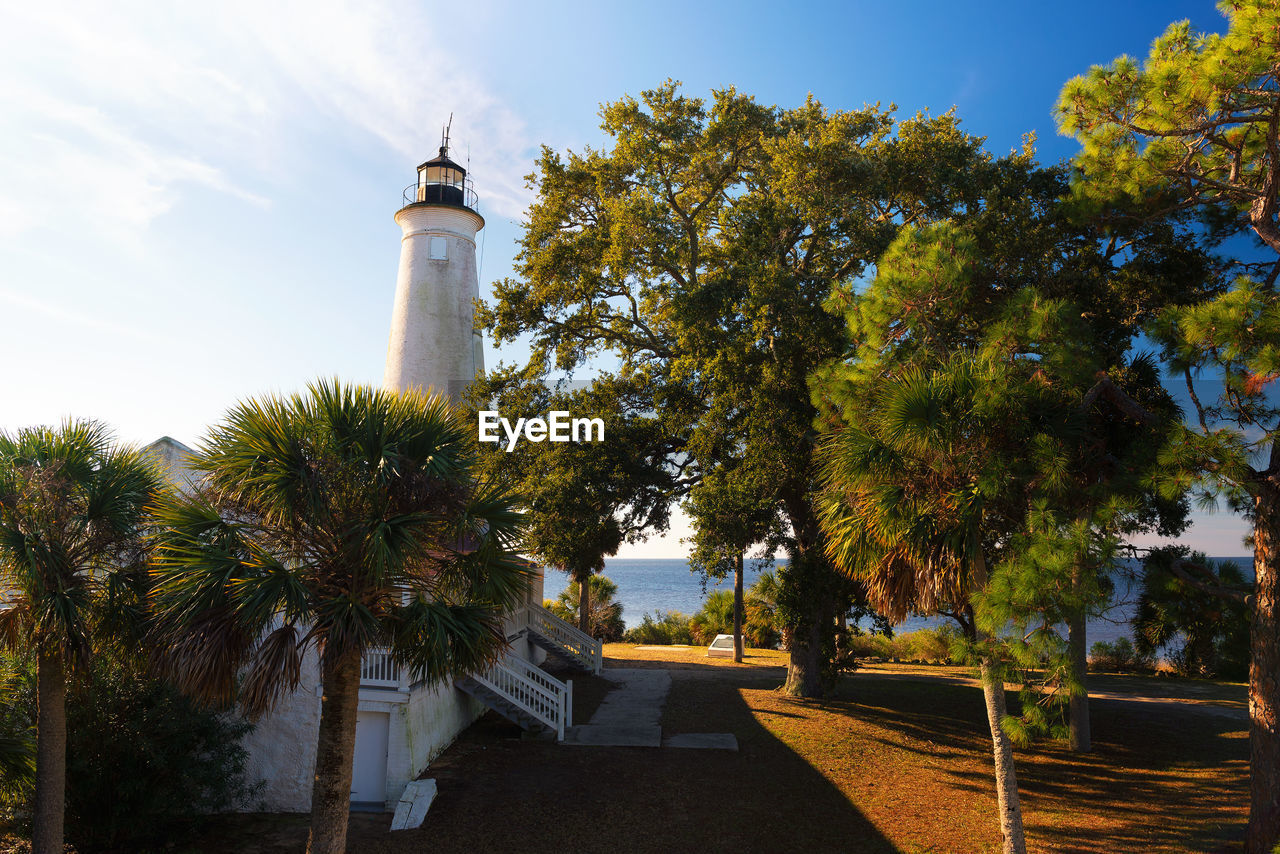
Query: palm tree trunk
x=737, y=609
x=51, y=753
x=1007, y=801
x=1078, y=658
x=1263, y=831
x=335, y=752
x=584, y=603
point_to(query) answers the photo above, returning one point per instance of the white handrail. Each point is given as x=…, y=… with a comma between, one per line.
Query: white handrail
x=541, y=677
x=582, y=645
x=378, y=669
x=542, y=696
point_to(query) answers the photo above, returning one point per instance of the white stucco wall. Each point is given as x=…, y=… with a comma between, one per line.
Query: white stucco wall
x=434, y=716
x=282, y=746
x=423, y=723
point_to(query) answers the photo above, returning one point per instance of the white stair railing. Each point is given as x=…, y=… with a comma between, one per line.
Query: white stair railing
x=524, y=686
x=583, y=646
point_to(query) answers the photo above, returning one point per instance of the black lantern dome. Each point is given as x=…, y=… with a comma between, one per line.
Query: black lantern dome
x=441, y=180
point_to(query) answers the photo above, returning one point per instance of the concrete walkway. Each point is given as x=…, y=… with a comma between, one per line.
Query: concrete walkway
x=631, y=714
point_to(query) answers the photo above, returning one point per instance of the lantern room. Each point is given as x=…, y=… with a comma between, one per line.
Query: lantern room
x=442, y=181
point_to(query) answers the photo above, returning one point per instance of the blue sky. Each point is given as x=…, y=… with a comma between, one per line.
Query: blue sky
x=196, y=201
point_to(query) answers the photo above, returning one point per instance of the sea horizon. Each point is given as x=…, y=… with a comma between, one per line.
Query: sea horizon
x=648, y=585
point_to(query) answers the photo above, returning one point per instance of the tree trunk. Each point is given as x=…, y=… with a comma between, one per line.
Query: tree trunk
x=1263, y=831
x=335, y=752
x=1078, y=656
x=1007, y=802
x=1006, y=776
x=737, y=609
x=51, y=753
x=584, y=604
x=804, y=667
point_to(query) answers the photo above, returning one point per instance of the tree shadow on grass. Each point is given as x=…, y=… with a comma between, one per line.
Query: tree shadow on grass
x=884, y=765
x=1160, y=778
x=502, y=794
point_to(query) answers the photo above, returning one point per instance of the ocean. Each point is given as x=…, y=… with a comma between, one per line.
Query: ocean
x=649, y=585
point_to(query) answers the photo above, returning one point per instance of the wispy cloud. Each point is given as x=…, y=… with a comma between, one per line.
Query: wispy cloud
x=123, y=106
x=62, y=316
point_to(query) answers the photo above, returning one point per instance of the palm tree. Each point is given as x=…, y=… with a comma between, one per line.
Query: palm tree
x=605, y=619
x=72, y=514
x=916, y=498
x=340, y=519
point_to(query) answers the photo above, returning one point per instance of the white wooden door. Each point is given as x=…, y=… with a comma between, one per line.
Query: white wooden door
x=369, y=774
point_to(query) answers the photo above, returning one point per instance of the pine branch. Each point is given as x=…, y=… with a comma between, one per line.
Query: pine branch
x=1209, y=583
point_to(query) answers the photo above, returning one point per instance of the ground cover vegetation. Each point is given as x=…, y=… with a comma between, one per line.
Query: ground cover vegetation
x=891, y=761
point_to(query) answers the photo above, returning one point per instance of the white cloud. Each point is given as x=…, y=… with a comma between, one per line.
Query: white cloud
x=121, y=106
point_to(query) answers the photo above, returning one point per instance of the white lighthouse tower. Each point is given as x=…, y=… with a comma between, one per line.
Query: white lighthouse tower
x=434, y=345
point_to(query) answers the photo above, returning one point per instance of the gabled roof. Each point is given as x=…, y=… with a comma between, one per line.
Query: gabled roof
x=175, y=458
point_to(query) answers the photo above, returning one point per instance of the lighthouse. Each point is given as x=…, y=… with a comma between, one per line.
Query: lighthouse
x=434, y=346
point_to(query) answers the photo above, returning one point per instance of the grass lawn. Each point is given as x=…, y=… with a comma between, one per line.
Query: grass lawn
x=897, y=761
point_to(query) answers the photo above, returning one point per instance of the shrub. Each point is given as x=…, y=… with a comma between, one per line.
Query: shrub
x=715, y=618
x=761, y=629
x=17, y=743
x=921, y=645
x=759, y=615
x=932, y=644
x=144, y=762
x=862, y=645
x=1120, y=655
x=663, y=627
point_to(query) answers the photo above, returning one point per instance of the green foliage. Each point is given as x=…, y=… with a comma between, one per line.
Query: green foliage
x=605, y=615
x=583, y=500
x=987, y=435
x=145, y=764
x=761, y=627
x=1120, y=655
x=72, y=561
x=931, y=645
x=1235, y=336
x=1192, y=125
x=315, y=516
x=1200, y=633
x=17, y=736
x=715, y=618
x=143, y=761
x=661, y=627
x=697, y=253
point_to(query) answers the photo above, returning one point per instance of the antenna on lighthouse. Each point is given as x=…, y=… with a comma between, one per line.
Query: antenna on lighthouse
x=444, y=136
